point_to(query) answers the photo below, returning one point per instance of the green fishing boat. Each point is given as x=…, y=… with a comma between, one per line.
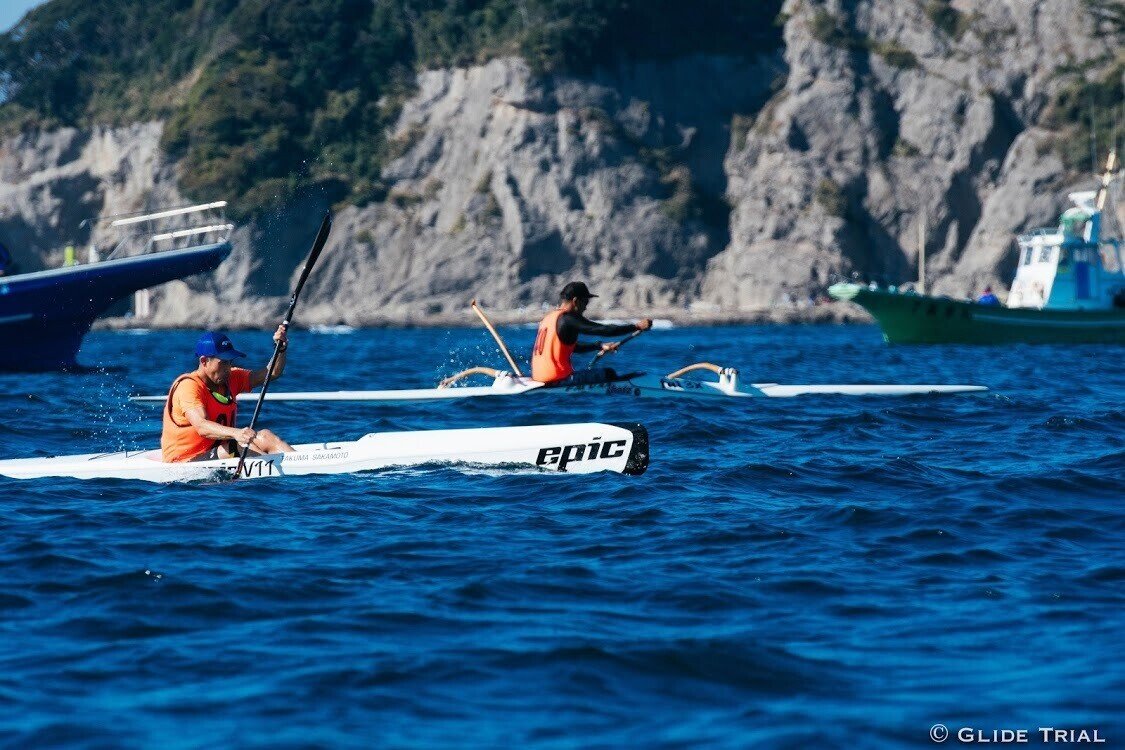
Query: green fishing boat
x=1069, y=288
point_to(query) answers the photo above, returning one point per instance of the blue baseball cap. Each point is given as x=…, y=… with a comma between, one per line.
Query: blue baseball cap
x=216, y=344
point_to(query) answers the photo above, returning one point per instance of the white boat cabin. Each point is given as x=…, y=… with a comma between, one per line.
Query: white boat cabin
x=1070, y=267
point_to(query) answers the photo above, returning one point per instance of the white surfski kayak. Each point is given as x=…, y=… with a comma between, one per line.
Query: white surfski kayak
x=573, y=448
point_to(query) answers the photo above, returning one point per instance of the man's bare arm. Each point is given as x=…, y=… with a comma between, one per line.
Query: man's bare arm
x=215, y=431
x=280, y=336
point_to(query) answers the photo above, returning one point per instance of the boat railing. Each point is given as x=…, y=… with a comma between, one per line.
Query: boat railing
x=162, y=230
x=1037, y=233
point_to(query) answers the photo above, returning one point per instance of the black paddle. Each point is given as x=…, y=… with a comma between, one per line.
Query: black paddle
x=620, y=344
x=318, y=245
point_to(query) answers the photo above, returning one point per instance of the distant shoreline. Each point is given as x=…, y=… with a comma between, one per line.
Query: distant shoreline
x=825, y=314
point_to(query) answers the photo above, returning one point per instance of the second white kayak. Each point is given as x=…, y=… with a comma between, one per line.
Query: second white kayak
x=638, y=385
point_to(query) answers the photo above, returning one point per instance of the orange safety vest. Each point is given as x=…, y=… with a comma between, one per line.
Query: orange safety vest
x=550, y=359
x=179, y=440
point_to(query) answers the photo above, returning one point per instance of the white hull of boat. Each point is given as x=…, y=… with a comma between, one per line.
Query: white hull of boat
x=573, y=448
x=642, y=385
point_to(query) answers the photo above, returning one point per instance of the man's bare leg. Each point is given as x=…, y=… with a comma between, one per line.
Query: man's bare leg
x=267, y=442
x=264, y=442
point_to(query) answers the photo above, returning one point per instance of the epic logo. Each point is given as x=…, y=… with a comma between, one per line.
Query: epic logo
x=560, y=456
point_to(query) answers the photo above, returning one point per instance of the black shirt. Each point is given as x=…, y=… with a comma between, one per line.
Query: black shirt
x=571, y=324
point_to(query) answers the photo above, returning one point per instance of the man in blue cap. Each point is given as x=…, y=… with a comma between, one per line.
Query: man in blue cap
x=199, y=415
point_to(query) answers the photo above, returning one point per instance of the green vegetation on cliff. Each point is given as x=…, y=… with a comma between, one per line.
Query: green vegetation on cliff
x=263, y=97
x=1087, y=112
x=1088, y=109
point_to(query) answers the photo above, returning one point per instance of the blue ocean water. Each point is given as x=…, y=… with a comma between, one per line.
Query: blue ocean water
x=812, y=572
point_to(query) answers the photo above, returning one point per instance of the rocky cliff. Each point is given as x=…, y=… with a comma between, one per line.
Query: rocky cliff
x=707, y=186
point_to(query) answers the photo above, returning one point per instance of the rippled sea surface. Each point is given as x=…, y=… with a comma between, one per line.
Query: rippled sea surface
x=810, y=572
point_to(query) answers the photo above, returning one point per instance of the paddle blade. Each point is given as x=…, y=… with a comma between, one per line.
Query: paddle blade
x=318, y=245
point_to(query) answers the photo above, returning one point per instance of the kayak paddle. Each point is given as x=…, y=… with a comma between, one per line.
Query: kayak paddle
x=499, y=341
x=318, y=245
x=620, y=344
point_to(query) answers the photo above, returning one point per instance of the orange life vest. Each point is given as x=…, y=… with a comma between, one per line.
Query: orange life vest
x=179, y=440
x=550, y=359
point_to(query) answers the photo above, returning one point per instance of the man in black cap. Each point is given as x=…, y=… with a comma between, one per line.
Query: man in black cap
x=558, y=339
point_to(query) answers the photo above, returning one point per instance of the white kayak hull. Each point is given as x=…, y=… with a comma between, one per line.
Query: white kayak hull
x=641, y=385
x=572, y=448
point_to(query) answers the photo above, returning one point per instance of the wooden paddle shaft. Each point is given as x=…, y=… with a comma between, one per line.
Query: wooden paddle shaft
x=499, y=341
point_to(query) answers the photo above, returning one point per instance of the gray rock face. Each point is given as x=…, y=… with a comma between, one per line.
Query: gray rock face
x=509, y=186
x=709, y=187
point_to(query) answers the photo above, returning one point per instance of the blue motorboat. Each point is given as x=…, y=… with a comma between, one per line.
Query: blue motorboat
x=45, y=314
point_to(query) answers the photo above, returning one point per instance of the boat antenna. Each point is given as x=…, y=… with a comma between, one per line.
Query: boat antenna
x=1107, y=178
x=1116, y=129
x=499, y=341
x=318, y=245
x=922, y=252
x=1093, y=136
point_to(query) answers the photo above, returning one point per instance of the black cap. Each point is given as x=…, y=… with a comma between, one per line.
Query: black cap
x=575, y=290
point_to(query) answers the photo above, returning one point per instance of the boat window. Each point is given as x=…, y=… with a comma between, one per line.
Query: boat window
x=1045, y=254
x=1027, y=253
